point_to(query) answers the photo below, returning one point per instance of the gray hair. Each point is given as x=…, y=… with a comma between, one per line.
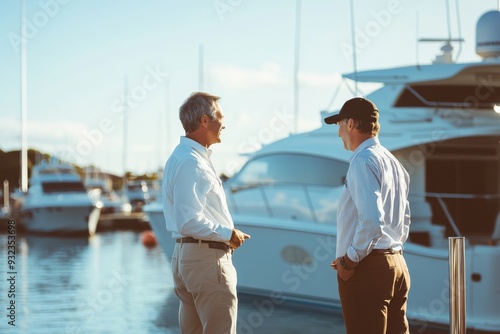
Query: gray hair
x=197, y=105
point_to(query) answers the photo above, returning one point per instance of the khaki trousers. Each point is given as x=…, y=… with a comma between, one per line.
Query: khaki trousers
x=374, y=298
x=205, y=282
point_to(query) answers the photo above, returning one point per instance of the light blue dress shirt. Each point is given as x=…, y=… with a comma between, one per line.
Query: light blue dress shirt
x=374, y=212
x=194, y=202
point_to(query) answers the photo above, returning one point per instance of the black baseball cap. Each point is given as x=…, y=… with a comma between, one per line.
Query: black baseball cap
x=358, y=108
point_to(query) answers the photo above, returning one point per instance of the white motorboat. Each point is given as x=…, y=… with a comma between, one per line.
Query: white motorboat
x=443, y=122
x=113, y=205
x=57, y=202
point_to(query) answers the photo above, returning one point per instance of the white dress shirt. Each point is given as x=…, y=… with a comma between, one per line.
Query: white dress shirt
x=374, y=212
x=194, y=202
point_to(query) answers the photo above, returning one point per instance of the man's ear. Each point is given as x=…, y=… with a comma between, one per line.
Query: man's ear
x=350, y=123
x=204, y=121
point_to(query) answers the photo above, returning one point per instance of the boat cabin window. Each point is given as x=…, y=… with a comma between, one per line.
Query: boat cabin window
x=139, y=186
x=62, y=187
x=293, y=169
x=453, y=96
x=463, y=185
x=58, y=170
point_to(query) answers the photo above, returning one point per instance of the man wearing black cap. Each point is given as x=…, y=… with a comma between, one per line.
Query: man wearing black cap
x=373, y=222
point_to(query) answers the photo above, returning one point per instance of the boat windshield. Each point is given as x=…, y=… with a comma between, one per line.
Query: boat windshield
x=293, y=169
x=290, y=186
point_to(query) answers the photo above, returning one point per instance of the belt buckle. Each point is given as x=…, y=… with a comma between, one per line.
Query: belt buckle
x=395, y=251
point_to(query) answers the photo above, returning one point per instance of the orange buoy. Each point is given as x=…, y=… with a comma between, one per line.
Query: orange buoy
x=148, y=239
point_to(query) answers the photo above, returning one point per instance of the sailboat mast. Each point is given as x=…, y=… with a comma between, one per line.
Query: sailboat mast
x=201, y=69
x=354, y=56
x=24, y=103
x=296, y=65
x=125, y=130
x=168, y=124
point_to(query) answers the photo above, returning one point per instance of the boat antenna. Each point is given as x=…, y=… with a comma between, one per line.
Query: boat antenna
x=417, y=29
x=447, y=49
x=296, y=65
x=448, y=19
x=200, y=68
x=24, y=103
x=354, y=60
x=459, y=30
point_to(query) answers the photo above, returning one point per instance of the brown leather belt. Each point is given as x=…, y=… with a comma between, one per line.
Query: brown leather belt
x=211, y=244
x=385, y=251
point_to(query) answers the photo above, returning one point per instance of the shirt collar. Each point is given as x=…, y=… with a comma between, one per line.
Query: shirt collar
x=367, y=143
x=206, y=152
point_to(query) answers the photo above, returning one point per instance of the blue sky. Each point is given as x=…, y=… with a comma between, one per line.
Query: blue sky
x=79, y=53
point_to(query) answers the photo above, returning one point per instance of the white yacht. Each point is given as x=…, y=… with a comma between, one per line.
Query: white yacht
x=443, y=122
x=57, y=202
x=138, y=194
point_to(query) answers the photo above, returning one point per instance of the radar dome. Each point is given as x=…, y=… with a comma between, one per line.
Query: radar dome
x=488, y=35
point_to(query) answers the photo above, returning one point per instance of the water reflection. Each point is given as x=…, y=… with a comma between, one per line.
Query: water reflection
x=111, y=283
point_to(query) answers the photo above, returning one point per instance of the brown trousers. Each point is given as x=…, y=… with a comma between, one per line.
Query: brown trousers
x=374, y=298
x=205, y=282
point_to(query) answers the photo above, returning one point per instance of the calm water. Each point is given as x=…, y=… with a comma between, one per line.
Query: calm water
x=111, y=283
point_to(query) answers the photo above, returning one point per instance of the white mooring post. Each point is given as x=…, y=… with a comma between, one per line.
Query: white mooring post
x=6, y=202
x=457, y=285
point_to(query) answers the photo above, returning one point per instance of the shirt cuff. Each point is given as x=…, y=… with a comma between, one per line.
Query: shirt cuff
x=351, y=253
x=226, y=234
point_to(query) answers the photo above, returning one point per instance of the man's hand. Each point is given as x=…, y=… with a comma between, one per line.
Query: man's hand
x=237, y=238
x=344, y=273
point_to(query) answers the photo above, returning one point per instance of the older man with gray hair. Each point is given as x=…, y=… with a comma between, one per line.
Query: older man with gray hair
x=196, y=213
